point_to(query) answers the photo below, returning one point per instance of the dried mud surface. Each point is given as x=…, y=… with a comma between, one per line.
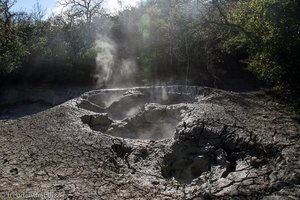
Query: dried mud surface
x=153, y=143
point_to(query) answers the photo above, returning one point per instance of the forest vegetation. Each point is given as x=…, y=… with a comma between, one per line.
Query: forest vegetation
x=199, y=42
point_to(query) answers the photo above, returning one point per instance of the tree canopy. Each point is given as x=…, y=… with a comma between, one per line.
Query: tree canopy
x=179, y=41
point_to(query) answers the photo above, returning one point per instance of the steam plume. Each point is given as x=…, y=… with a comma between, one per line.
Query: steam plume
x=105, y=60
x=110, y=71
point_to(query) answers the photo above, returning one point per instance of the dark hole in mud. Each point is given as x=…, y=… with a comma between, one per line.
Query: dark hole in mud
x=100, y=122
x=211, y=150
x=121, y=149
x=188, y=161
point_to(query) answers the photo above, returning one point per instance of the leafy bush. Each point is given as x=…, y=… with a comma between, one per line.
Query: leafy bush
x=273, y=39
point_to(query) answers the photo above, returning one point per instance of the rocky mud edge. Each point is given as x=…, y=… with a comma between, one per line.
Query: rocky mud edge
x=172, y=142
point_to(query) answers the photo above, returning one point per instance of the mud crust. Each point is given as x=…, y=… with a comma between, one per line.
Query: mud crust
x=222, y=145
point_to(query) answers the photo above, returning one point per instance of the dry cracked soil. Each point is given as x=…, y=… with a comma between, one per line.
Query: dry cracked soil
x=171, y=142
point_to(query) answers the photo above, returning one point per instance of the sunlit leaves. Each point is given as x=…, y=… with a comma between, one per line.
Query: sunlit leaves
x=273, y=35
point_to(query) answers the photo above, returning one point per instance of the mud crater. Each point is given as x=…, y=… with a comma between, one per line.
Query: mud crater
x=201, y=150
x=148, y=114
x=213, y=150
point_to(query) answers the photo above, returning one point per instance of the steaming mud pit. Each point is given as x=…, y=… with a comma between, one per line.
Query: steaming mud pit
x=136, y=114
x=173, y=142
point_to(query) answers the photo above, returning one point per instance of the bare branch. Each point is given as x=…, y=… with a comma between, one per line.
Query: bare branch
x=83, y=9
x=223, y=14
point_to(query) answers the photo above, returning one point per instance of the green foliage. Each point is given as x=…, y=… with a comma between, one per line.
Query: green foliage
x=12, y=49
x=273, y=41
x=11, y=56
x=171, y=40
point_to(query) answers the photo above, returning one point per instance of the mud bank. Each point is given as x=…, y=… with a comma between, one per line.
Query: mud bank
x=172, y=142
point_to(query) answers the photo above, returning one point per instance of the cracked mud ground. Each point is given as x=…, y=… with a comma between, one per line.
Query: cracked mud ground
x=153, y=143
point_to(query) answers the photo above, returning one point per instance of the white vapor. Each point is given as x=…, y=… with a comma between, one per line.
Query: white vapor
x=105, y=59
x=111, y=72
